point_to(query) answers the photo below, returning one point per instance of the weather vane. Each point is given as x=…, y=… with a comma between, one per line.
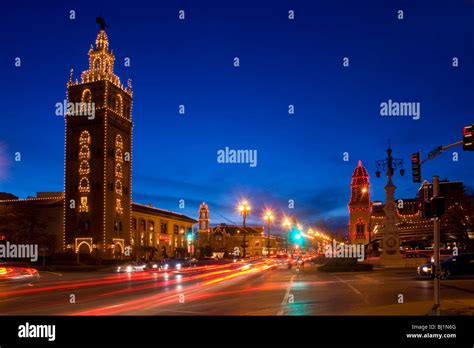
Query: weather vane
x=101, y=22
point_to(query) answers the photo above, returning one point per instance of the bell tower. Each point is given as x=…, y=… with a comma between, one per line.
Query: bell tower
x=98, y=158
x=204, y=224
x=359, y=206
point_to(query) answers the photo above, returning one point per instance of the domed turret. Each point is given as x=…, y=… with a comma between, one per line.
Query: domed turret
x=360, y=185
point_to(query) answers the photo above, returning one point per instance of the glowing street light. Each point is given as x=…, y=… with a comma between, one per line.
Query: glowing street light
x=244, y=209
x=268, y=217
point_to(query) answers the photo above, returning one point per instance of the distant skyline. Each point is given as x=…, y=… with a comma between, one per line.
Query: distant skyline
x=282, y=62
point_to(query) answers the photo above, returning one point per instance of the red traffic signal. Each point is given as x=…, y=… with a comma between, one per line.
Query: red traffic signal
x=416, y=167
x=468, y=138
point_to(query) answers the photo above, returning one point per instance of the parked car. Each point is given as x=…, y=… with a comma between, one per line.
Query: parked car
x=452, y=266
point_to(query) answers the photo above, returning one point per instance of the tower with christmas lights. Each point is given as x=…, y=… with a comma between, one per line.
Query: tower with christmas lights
x=360, y=206
x=204, y=226
x=98, y=158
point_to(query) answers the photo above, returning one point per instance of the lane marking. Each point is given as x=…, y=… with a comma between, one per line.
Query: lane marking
x=352, y=288
x=55, y=273
x=369, y=279
x=287, y=295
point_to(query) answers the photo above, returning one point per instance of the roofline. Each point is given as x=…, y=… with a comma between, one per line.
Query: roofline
x=162, y=212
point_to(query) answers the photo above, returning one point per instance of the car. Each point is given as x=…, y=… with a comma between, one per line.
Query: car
x=154, y=265
x=452, y=266
x=18, y=274
x=176, y=264
x=130, y=267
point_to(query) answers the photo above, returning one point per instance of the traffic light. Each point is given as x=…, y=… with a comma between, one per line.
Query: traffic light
x=434, y=208
x=438, y=206
x=416, y=167
x=189, y=237
x=296, y=236
x=468, y=138
x=426, y=210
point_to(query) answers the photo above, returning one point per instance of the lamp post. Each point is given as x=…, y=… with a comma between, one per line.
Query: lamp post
x=244, y=209
x=268, y=217
x=287, y=224
x=390, y=236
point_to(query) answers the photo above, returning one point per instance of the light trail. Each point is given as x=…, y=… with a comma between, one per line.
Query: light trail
x=158, y=299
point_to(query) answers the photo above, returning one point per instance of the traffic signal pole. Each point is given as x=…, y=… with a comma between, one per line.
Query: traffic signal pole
x=416, y=167
x=437, y=240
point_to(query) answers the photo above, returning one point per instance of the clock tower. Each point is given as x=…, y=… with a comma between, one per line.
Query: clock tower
x=98, y=158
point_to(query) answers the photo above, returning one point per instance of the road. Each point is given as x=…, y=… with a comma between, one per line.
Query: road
x=231, y=289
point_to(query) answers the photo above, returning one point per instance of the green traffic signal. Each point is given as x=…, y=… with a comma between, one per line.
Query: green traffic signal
x=296, y=236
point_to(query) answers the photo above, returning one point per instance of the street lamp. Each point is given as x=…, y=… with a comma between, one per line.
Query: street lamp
x=268, y=217
x=287, y=224
x=390, y=235
x=244, y=209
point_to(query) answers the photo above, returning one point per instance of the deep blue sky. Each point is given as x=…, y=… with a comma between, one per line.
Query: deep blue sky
x=282, y=62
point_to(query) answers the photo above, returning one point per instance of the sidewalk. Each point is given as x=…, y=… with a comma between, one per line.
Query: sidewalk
x=448, y=307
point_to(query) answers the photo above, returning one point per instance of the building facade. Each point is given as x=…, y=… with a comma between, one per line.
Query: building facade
x=158, y=233
x=229, y=239
x=366, y=217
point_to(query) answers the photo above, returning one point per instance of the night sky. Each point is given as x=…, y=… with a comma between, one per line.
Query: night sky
x=282, y=62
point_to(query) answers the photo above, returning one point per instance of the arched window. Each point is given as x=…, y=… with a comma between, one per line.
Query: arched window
x=118, y=187
x=84, y=153
x=85, y=138
x=119, y=141
x=360, y=229
x=119, y=155
x=84, y=185
x=118, y=206
x=96, y=64
x=86, y=100
x=119, y=104
x=84, y=168
x=83, y=208
x=86, y=96
x=118, y=171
